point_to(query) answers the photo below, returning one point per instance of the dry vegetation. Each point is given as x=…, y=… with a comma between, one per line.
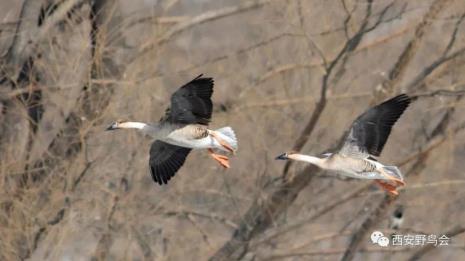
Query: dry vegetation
x=289, y=75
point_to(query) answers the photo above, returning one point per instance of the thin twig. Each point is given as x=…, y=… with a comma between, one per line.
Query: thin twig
x=457, y=230
x=201, y=19
x=211, y=216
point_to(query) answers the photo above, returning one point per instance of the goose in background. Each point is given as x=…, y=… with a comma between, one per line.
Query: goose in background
x=184, y=127
x=366, y=139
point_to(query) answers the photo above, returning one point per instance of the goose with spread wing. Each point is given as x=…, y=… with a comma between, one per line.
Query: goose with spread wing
x=366, y=139
x=183, y=128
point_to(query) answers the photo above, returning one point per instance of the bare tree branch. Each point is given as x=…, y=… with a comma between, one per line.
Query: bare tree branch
x=28, y=33
x=399, y=69
x=378, y=212
x=457, y=230
x=211, y=216
x=201, y=19
x=451, y=93
x=262, y=212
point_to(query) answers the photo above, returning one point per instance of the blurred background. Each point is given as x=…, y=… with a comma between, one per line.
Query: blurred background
x=289, y=74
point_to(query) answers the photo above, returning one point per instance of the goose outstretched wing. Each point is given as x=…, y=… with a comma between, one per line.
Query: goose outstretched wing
x=370, y=131
x=166, y=160
x=191, y=103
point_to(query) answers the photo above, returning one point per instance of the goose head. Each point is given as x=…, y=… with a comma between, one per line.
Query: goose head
x=285, y=155
x=115, y=125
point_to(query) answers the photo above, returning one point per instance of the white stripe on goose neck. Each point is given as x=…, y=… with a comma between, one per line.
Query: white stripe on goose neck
x=132, y=125
x=310, y=159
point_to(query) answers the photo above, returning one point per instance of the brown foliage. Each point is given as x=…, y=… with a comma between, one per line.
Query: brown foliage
x=289, y=75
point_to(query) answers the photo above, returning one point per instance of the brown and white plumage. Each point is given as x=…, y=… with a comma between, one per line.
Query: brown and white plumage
x=184, y=127
x=365, y=140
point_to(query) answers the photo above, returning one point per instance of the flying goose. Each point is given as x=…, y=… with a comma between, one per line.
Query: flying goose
x=366, y=139
x=183, y=128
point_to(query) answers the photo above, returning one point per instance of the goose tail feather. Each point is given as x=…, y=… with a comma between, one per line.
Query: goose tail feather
x=227, y=134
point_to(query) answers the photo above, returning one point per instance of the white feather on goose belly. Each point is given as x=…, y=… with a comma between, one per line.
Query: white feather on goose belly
x=203, y=143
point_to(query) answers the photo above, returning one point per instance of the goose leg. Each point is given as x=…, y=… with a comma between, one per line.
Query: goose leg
x=221, y=159
x=223, y=143
x=387, y=187
x=397, y=181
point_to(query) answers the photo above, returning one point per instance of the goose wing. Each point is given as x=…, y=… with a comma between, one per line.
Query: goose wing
x=370, y=131
x=191, y=103
x=165, y=160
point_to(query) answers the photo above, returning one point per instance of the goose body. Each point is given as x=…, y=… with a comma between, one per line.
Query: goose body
x=362, y=168
x=183, y=128
x=366, y=139
x=343, y=165
x=199, y=137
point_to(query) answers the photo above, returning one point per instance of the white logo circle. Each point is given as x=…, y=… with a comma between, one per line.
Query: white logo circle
x=383, y=241
x=375, y=236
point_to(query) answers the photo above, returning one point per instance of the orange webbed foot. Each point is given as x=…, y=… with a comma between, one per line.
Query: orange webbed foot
x=397, y=182
x=221, y=159
x=391, y=189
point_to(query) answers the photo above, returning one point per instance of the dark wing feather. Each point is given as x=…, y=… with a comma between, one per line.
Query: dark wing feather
x=191, y=103
x=370, y=131
x=165, y=160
